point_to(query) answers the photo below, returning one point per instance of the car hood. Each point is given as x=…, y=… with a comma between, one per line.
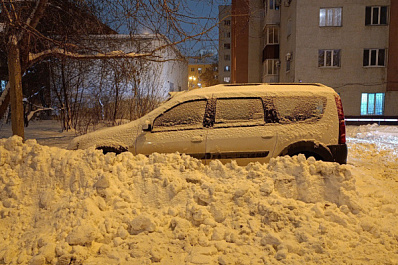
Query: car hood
x=122, y=136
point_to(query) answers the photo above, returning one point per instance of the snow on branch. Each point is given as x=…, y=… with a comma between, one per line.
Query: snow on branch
x=34, y=57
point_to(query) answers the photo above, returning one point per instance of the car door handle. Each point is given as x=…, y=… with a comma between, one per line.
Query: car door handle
x=197, y=139
x=267, y=136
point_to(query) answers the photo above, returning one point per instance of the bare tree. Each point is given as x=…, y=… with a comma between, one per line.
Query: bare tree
x=27, y=41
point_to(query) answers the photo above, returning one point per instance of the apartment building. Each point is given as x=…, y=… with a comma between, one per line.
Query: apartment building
x=224, y=54
x=347, y=45
x=202, y=74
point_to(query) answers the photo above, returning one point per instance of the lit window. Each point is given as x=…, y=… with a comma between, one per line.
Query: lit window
x=330, y=17
x=227, y=68
x=372, y=104
x=199, y=70
x=227, y=79
x=374, y=57
x=329, y=58
x=3, y=84
x=376, y=15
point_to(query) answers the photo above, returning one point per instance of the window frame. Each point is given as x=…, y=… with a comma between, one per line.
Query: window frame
x=369, y=15
x=274, y=69
x=326, y=20
x=377, y=61
x=325, y=58
x=374, y=110
x=275, y=37
x=274, y=4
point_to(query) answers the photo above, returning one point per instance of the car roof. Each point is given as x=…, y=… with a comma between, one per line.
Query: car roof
x=256, y=89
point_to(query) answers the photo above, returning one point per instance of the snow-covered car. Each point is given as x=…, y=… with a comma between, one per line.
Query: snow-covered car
x=242, y=122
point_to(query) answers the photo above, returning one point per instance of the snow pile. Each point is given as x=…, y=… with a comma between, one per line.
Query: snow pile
x=73, y=207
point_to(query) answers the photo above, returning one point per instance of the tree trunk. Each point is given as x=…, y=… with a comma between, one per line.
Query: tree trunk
x=15, y=79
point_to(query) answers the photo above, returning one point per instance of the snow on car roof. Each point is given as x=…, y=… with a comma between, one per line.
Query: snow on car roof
x=255, y=89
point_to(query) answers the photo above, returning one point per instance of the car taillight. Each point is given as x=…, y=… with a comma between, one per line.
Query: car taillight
x=340, y=113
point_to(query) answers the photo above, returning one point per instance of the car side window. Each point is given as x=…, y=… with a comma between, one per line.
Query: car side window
x=187, y=115
x=295, y=109
x=239, y=112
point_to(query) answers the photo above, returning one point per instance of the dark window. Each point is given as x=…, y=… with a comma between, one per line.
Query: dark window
x=374, y=57
x=227, y=22
x=376, y=15
x=329, y=58
x=227, y=46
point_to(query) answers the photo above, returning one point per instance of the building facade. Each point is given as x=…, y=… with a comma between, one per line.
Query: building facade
x=224, y=54
x=202, y=74
x=347, y=45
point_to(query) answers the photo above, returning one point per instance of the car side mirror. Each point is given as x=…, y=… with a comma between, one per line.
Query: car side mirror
x=147, y=126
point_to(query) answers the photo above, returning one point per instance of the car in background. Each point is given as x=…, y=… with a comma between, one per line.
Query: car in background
x=242, y=122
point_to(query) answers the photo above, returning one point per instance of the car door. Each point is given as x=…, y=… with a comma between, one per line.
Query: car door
x=179, y=129
x=240, y=131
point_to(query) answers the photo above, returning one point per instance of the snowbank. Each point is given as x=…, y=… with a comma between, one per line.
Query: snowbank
x=83, y=207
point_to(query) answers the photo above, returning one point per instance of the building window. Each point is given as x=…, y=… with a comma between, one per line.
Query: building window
x=3, y=84
x=227, y=79
x=272, y=35
x=374, y=57
x=228, y=34
x=227, y=57
x=329, y=58
x=287, y=65
x=199, y=70
x=330, y=17
x=376, y=15
x=192, y=69
x=271, y=66
x=289, y=27
x=171, y=88
x=227, y=22
x=274, y=4
x=372, y=104
x=227, y=68
x=227, y=46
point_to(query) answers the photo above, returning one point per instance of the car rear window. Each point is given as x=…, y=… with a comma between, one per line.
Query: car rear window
x=239, y=110
x=295, y=109
x=188, y=115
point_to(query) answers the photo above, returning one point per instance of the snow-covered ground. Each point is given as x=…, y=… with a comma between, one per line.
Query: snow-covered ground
x=83, y=207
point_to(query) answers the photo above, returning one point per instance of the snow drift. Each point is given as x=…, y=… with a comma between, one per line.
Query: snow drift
x=83, y=207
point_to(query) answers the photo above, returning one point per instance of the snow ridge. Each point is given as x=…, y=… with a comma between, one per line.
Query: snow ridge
x=74, y=207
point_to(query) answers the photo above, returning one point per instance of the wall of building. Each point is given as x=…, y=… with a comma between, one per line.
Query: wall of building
x=351, y=78
x=392, y=74
x=256, y=41
x=240, y=40
x=288, y=43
